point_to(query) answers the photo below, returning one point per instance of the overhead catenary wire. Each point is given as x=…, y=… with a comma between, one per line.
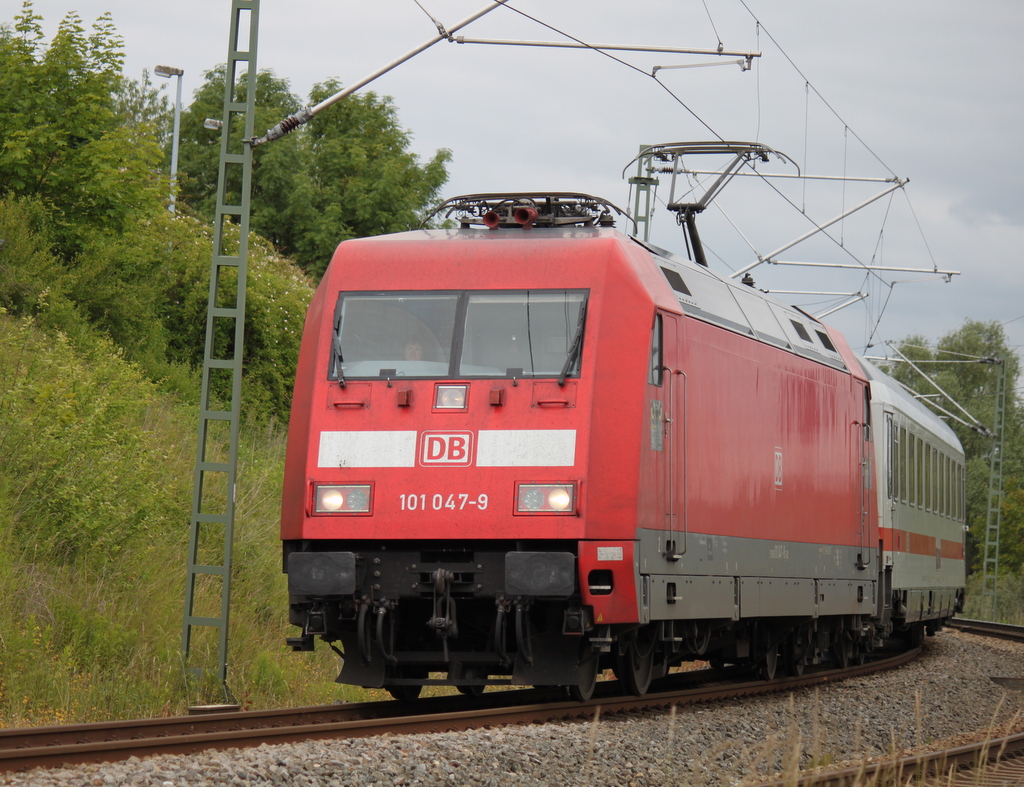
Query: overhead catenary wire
x=443, y=33
x=812, y=87
x=306, y=114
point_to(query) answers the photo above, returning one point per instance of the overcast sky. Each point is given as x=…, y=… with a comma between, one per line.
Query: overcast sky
x=929, y=91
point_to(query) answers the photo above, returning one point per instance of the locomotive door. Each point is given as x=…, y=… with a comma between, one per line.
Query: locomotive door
x=667, y=395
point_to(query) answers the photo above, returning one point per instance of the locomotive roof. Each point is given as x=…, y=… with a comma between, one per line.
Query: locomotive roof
x=743, y=309
x=701, y=293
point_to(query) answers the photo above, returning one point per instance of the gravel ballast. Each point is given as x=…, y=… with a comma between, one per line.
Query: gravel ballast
x=942, y=695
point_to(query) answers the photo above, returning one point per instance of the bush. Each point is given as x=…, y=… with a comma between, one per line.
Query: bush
x=95, y=493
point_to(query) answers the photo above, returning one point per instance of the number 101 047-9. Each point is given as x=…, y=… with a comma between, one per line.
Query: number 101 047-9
x=440, y=502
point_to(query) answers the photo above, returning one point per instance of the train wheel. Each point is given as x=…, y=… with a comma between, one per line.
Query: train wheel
x=472, y=689
x=842, y=650
x=795, y=656
x=405, y=693
x=771, y=659
x=588, y=670
x=914, y=635
x=635, y=665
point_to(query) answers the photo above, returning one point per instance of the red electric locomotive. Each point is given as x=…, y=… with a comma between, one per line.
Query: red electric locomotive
x=532, y=447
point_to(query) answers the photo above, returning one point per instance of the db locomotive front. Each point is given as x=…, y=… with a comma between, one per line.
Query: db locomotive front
x=530, y=448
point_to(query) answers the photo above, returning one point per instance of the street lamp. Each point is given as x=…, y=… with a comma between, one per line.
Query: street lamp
x=168, y=72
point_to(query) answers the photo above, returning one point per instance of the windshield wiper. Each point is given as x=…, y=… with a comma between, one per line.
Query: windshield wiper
x=577, y=345
x=336, y=357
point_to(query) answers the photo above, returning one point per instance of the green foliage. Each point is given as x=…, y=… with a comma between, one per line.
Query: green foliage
x=66, y=501
x=147, y=292
x=348, y=173
x=274, y=165
x=962, y=364
x=95, y=490
x=143, y=106
x=361, y=179
x=277, y=295
x=1009, y=607
x=62, y=139
x=30, y=274
x=103, y=298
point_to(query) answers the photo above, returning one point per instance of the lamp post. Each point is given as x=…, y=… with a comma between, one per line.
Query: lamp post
x=168, y=72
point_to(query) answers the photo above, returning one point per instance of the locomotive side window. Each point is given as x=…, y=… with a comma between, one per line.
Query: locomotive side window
x=801, y=331
x=825, y=341
x=676, y=281
x=655, y=373
x=524, y=333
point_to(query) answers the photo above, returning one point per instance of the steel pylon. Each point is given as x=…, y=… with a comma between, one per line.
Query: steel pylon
x=211, y=536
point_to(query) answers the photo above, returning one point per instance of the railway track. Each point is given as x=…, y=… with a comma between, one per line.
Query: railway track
x=23, y=749
x=988, y=629
x=997, y=761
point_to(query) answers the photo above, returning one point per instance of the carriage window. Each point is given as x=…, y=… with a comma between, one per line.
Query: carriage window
x=892, y=448
x=901, y=448
x=943, y=464
x=928, y=486
x=521, y=333
x=921, y=473
x=960, y=492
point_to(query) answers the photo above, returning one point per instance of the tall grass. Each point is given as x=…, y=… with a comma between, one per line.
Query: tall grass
x=95, y=497
x=1009, y=598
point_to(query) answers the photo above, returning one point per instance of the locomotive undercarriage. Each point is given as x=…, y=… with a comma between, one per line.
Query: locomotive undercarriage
x=412, y=616
x=405, y=612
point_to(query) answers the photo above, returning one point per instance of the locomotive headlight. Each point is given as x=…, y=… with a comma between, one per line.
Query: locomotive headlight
x=450, y=397
x=559, y=499
x=332, y=500
x=546, y=498
x=347, y=499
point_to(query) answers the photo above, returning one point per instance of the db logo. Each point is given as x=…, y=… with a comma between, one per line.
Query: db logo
x=454, y=449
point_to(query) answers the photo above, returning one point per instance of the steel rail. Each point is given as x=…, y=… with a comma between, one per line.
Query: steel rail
x=976, y=764
x=989, y=762
x=22, y=749
x=988, y=628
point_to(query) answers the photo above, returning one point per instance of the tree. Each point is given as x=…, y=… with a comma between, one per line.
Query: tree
x=963, y=365
x=141, y=105
x=349, y=173
x=62, y=139
x=274, y=166
x=98, y=259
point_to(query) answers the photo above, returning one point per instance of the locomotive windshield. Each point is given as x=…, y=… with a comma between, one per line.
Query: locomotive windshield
x=470, y=333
